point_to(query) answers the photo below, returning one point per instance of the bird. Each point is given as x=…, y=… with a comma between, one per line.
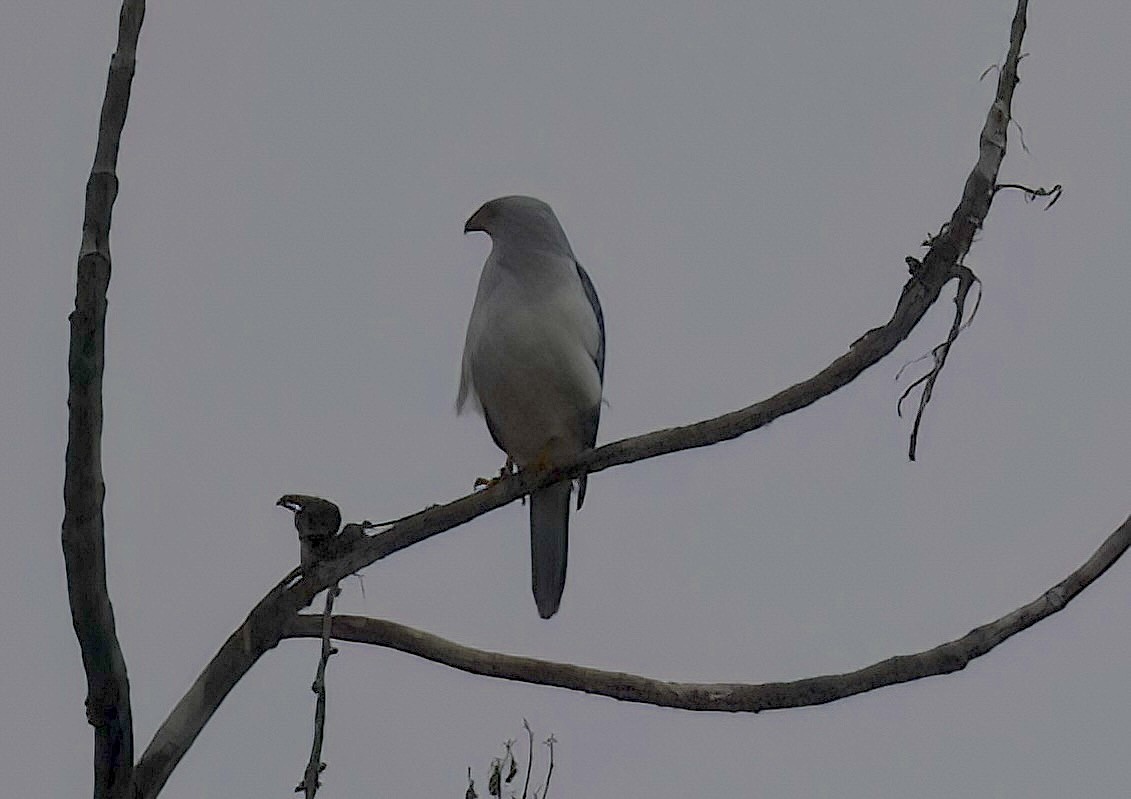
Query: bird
x=534, y=366
x=317, y=521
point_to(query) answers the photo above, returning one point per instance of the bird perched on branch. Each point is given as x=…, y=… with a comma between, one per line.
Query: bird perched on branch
x=534, y=365
x=317, y=521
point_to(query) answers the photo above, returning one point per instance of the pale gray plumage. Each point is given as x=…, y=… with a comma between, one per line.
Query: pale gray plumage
x=534, y=365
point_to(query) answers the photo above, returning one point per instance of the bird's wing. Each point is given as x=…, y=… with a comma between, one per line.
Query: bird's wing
x=592, y=417
x=595, y=304
x=480, y=312
x=466, y=386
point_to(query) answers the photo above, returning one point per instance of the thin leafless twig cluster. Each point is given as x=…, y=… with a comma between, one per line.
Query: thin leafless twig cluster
x=504, y=770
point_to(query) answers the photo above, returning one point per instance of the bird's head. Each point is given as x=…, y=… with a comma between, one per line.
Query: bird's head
x=314, y=517
x=521, y=220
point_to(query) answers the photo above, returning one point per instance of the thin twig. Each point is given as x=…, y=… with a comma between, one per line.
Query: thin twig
x=529, y=756
x=1032, y=194
x=966, y=279
x=310, y=782
x=550, y=771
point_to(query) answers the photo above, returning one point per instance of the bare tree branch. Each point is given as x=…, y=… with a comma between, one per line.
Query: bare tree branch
x=314, y=766
x=529, y=757
x=732, y=697
x=108, y=687
x=550, y=772
x=273, y=616
x=980, y=189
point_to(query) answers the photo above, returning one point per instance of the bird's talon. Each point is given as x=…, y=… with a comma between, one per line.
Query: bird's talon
x=483, y=483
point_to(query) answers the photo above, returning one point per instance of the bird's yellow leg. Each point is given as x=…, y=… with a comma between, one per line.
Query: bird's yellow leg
x=542, y=463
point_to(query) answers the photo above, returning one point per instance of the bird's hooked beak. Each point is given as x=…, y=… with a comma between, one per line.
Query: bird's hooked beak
x=290, y=501
x=477, y=221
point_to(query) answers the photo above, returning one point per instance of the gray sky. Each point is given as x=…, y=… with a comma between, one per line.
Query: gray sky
x=742, y=182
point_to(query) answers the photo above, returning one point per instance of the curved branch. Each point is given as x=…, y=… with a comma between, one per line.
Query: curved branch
x=267, y=622
x=730, y=697
x=84, y=550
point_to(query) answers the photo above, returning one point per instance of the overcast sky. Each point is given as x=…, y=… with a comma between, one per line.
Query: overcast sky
x=743, y=181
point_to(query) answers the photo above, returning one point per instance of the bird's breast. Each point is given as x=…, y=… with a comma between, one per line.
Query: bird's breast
x=534, y=376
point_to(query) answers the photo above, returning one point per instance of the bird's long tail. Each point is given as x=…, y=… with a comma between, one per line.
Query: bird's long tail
x=549, y=542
